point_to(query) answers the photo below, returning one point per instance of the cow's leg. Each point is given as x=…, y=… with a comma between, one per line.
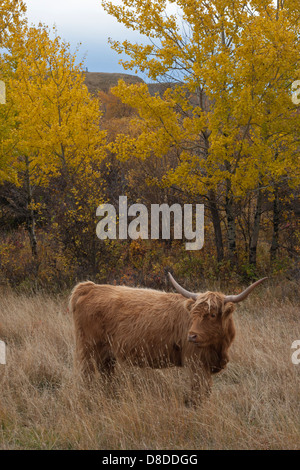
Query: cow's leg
x=93, y=357
x=84, y=353
x=104, y=360
x=86, y=361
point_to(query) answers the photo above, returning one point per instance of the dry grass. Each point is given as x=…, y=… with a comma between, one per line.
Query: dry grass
x=44, y=405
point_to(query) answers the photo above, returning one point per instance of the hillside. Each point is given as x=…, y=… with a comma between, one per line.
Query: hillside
x=104, y=81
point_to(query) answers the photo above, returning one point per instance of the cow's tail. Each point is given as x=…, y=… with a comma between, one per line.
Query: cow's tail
x=80, y=290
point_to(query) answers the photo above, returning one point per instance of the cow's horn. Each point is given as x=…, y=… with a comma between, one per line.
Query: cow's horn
x=244, y=294
x=181, y=290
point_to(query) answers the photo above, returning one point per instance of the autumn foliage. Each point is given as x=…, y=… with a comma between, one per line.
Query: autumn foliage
x=221, y=129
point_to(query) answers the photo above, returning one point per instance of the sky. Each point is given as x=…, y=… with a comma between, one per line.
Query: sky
x=85, y=22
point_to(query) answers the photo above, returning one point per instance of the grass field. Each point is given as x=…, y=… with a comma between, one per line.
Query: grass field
x=255, y=403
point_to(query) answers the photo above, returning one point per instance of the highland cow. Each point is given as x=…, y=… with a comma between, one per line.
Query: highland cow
x=150, y=328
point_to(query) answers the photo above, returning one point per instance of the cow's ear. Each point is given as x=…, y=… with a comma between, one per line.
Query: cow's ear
x=189, y=304
x=228, y=309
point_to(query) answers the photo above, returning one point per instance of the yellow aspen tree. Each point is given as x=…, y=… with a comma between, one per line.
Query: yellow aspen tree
x=11, y=19
x=57, y=131
x=11, y=22
x=228, y=111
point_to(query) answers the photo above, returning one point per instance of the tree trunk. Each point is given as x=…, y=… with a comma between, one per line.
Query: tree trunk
x=255, y=230
x=30, y=222
x=231, y=230
x=276, y=221
x=217, y=225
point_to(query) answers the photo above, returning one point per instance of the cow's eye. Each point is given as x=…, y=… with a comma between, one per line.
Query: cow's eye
x=213, y=315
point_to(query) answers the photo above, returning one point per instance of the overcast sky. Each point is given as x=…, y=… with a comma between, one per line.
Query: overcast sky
x=84, y=21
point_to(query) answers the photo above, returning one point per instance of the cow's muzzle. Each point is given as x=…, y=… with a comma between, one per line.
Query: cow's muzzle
x=192, y=338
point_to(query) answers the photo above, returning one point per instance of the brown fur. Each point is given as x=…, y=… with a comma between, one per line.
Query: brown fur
x=151, y=328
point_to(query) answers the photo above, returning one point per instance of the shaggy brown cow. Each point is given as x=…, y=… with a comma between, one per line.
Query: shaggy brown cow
x=153, y=328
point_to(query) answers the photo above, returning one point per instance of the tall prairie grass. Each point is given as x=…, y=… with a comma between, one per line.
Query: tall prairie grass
x=255, y=403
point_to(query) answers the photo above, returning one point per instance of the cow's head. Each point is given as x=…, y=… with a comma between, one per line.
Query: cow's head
x=212, y=327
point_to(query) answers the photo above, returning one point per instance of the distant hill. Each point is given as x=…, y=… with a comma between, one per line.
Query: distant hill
x=102, y=81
